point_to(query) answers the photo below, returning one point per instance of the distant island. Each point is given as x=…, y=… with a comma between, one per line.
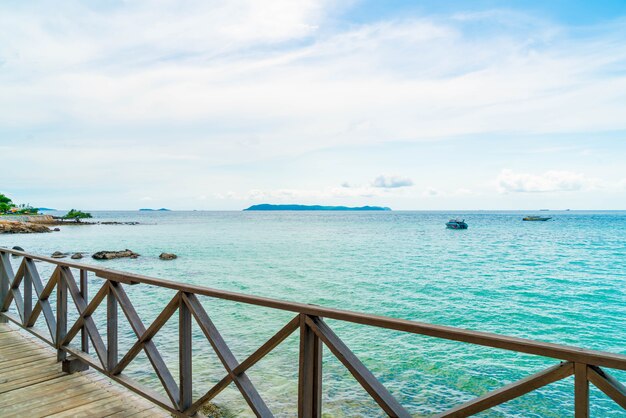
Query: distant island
x=267, y=206
x=154, y=210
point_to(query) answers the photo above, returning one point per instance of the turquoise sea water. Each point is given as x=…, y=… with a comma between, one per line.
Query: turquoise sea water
x=560, y=281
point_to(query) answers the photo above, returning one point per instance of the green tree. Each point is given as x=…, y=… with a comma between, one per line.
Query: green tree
x=27, y=210
x=5, y=199
x=77, y=215
x=4, y=207
x=5, y=203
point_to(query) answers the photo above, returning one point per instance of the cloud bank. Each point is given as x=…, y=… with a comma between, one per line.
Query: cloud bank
x=550, y=181
x=195, y=95
x=391, y=182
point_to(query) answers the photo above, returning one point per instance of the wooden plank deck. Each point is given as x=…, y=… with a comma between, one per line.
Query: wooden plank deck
x=32, y=384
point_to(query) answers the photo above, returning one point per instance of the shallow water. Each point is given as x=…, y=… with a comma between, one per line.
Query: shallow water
x=560, y=281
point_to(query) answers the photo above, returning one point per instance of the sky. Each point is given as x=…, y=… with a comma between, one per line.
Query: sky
x=415, y=105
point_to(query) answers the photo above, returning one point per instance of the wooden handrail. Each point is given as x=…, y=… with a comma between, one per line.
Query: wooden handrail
x=522, y=345
x=585, y=364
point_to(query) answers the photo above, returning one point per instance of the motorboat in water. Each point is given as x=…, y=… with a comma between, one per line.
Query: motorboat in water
x=536, y=218
x=456, y=224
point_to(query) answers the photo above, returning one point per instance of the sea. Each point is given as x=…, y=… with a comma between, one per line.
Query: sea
x=560, y=281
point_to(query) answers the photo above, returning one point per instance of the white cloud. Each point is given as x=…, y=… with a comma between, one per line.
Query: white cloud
x=307, y=194
x=263, y=69
x=391, y=182
x=550, y=181
x=341, y=192
x=181, y=87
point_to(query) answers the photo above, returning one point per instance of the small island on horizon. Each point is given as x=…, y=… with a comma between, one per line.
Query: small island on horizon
x=270, y=207
x=154, y=210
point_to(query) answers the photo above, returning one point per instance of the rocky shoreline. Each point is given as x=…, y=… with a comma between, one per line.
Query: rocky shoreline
x=33, y=224
x=17, y=227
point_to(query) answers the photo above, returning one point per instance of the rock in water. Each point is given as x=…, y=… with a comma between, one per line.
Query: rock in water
x=17, y=248
x=167, y=256
x=15, y=227
x=109, y=255
x=58, y=254
x=56, y=229
x=77, y=256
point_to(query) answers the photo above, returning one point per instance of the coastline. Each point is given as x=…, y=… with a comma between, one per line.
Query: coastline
x=16, y=227
x=31, y=224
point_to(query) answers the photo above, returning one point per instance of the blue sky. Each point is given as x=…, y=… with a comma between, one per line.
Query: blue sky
x=408, y=104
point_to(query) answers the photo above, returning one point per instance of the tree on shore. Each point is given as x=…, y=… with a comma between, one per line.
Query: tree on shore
x=5, y=203
x=77, y=215
x=5, y=199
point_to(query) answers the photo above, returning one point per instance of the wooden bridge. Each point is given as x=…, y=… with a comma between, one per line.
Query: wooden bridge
x=24, y=377
x=33, y=384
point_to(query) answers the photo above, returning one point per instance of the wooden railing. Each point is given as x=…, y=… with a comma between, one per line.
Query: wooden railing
x=17, y=288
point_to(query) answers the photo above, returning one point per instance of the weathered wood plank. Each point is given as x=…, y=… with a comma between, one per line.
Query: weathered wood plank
x=9, y=376
x=582, y=358
x=269, y=345
x=261, y=352
x=28, y=293
x=72, y=400
x=145, y=342
x=89, y=310
x=84, y=292
x=19, y=351
x=361, y=373
x=5, y=265
x=61, y=314
x=147, y=412
x=14, y=291
x=6, y=278
x=5, y=328
x=31, y=330
x=184, y=356
x=561, y=352
x=32, y=361
x=608, y=384
x=213, y=392
x=46, y=389
x=111, y=330
x=581, y=391
x=310, y=372
x=43, y=293
x=87, y=321
x=243, y=383
x=29, y=380
x=510, y=391
x=142, y=391
x=34, y=386
x=47, y=405
x=95, y=409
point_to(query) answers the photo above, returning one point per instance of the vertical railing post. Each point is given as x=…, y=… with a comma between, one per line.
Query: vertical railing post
x=84, y=338
x=581, y=391
x=111, y=329
x=4, y=282
x=184, y=355
x=61, y=314
x=310, y=374
x=28, y=293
